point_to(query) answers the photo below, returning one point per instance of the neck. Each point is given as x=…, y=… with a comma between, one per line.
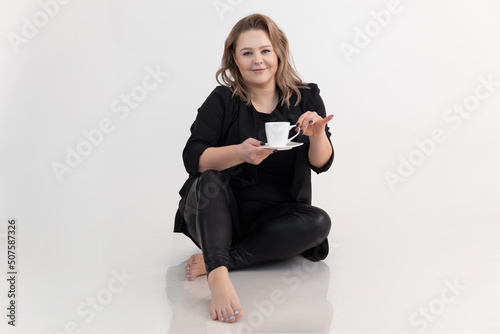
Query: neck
x=264, y=93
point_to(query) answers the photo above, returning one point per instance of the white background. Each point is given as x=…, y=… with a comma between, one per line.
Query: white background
x=115, y=210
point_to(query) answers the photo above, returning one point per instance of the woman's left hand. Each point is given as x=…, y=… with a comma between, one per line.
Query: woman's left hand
x=312, y=124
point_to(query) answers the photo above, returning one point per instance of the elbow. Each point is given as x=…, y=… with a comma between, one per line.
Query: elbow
x=202, y=164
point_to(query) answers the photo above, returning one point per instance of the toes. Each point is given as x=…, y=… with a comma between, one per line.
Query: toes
x=217, y=314
x=221, y=316
x=190, y=275
x=225, y=315
x=235, y=315
x=193, y=266
x=213, y=314
x=235, y=305
x=228, y=315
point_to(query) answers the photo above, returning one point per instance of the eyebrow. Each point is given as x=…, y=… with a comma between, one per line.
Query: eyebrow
x=262, y=47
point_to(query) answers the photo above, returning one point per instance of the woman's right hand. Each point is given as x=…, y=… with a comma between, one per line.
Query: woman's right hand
x=252, y=152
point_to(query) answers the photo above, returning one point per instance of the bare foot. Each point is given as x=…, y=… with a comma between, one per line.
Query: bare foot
x=225, y=305
x=195, y=267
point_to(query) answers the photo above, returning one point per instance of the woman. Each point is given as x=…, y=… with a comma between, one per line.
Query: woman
x=244, y=203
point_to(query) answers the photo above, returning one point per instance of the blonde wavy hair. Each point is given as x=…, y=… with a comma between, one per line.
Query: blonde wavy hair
x=287, y=78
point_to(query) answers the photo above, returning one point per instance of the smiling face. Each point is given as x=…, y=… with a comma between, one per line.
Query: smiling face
x=256, y=59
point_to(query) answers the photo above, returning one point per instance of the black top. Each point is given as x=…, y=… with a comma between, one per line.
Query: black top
x=225, y=120
x=279, y=167
x=274, y=174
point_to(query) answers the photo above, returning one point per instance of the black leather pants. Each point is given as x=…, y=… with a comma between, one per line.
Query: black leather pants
x=212, y=222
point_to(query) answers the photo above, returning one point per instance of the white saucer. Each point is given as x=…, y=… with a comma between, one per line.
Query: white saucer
x=288, y=146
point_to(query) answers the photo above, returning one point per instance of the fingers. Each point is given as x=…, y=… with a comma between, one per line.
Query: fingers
x=253, y=142
x=252, y=151
x=328, y=118
x=310, y=121
x=309, y=116
x=306, y=119
x=322, y=121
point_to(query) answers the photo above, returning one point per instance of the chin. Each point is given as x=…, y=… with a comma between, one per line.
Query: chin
x=261, y=81
x=259, y=84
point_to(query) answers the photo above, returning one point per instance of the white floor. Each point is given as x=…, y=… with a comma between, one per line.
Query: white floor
x=404, y=282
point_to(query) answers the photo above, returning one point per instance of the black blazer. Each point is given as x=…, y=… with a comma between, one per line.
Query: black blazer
x=226, y=120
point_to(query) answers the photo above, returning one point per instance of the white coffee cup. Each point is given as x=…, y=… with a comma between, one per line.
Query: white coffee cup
x=277, y=133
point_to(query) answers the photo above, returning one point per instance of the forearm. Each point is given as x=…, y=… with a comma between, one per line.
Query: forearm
x=320, y=150
x=219, y=158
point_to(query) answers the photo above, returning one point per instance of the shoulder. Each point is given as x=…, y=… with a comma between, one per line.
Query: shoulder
x=218, y=99
x=311, y=91
x=223, y=92
x=309, y=95
x=219, y=105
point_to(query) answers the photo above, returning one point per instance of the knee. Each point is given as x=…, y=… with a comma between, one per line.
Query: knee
x=321, y=223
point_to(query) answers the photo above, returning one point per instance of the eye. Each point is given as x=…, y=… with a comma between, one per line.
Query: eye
x=266, y=51
x=247, y=53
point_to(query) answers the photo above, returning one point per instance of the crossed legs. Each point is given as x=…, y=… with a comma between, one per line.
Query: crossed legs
x=212, y=222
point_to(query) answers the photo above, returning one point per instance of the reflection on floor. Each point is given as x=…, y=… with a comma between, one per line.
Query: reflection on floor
x=413, y=276
x=271, y=295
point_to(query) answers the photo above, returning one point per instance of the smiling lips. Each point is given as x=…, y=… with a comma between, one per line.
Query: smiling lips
x=258, y=70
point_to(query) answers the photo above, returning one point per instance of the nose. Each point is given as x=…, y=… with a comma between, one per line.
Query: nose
x=258, y=59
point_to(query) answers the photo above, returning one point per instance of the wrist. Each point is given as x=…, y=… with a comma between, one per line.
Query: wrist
x=321, y=137
x=238, y=148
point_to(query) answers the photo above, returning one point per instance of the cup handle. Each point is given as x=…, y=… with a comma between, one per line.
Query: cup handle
x=291, y=127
